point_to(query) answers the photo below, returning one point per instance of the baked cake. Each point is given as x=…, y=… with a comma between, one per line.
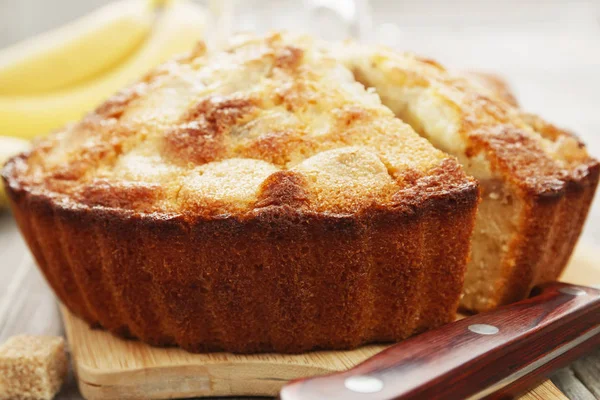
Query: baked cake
x=255, y=199
x=537, y=181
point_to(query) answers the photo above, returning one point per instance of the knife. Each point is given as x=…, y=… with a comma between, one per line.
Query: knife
x=494, y=355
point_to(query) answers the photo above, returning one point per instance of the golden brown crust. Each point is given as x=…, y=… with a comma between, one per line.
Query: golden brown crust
x=522, y=160
x=253, y=200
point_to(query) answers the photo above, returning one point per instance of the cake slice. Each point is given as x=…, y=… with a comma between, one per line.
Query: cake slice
x=537, y=181
x=249, y=200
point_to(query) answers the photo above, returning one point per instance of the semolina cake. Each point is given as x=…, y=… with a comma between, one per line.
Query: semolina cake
x=253, y=199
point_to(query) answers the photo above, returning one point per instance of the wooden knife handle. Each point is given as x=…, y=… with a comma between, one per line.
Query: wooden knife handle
x=494, y=355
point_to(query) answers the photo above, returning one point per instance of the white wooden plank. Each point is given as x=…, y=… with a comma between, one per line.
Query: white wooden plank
x=571, y=386
x=587, y=370
x=12, y=249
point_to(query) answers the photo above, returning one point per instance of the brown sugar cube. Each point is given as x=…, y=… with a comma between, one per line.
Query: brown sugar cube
x=32, y=367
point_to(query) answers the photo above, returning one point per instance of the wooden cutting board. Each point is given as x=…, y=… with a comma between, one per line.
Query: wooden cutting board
x=111, y=368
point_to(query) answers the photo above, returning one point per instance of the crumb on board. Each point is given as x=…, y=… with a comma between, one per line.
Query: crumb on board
x=32, y=367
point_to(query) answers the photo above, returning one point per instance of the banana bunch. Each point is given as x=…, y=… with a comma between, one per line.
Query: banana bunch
x=59, y=76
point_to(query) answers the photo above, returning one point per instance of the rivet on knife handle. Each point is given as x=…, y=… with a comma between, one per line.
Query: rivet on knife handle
x=496, y=354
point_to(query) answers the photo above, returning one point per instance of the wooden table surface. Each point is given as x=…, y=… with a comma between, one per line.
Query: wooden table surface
x=549, y=50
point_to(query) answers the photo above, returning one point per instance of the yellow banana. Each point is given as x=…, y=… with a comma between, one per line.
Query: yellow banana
x=9, y=147
x=77, y=51
x=179, y=25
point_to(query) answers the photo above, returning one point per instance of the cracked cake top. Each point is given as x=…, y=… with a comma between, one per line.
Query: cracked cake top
x=269, y=121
